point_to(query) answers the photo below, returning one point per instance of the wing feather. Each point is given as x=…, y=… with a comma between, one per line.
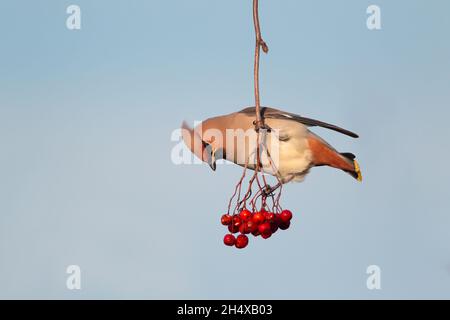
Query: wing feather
x=272, y=113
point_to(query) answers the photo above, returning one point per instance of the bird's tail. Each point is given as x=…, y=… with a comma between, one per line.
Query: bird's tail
x=356, y=171
x=326, y=155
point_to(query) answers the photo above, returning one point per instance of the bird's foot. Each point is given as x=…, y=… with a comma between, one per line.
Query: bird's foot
x=260, y=125
x=268, y=191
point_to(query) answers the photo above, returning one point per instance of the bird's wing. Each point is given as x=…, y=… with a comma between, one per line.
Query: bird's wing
x=272, y=113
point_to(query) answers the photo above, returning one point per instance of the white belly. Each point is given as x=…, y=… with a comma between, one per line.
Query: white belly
x=294, y=160
x=290, y=160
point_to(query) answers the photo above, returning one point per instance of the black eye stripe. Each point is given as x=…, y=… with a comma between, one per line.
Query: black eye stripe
x=207, y=146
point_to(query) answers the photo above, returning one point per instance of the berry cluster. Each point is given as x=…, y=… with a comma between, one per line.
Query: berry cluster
x=261, y=223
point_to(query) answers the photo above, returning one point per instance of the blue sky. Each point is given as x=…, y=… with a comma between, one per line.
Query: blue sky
x=86, y=175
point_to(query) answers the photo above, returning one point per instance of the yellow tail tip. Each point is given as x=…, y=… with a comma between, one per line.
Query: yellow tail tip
x=357, y=170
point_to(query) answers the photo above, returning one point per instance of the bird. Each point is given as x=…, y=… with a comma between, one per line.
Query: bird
x=290, y=149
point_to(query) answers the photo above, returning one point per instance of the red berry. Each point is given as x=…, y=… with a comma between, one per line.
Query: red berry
x=226, y=219
x=232, y=228
x=243, y=229
x=245, y=215
x=266, y=236
x=256, y=232
x=274, y=227
x=236, y=221
x=241, y=241
x=264, y=229
x=258, y=218
x=251, y=226
x=286, y=216
x=229, y=240
x=278, y=218
x=235, y=224
x=269, y=216
x=285, y=225
x=247, y=227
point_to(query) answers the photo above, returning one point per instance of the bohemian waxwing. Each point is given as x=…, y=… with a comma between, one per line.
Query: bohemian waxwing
x=290, y=148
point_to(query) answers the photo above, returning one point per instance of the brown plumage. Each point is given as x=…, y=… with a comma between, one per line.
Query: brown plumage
x=294, y=149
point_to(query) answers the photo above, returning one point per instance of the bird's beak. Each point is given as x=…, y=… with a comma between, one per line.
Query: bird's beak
x=213, y=165
x=212, y=160
x=209, y=155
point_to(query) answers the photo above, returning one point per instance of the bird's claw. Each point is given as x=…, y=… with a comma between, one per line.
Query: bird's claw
x=267, y=192
x=261, y=126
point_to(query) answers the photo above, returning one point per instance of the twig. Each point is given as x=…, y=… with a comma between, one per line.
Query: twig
x=259, y=43
x=263, y=190
x=237, y=190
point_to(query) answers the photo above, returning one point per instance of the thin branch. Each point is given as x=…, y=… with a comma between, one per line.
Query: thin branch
x=259, y=43
x=263, y=191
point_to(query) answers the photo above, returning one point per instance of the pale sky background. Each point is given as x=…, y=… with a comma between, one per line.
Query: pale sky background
x=86, y=176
